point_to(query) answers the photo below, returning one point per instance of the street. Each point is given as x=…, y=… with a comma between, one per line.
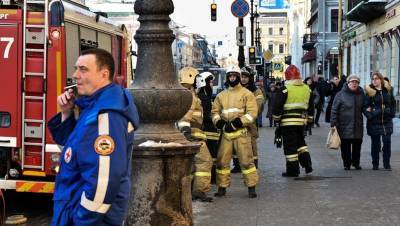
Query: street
x=331, y=196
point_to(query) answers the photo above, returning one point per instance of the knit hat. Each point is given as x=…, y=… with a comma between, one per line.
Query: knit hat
x=292, y=72
x=353, y=78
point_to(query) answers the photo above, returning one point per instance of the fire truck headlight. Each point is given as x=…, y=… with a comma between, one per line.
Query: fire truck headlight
x=14, y=173
x=5, y=119
x=55, y=34
x=55, y=157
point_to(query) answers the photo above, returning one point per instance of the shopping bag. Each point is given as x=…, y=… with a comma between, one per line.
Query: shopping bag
x=333, y=141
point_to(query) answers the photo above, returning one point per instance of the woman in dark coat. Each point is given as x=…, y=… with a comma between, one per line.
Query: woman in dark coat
x=380, y=109
x=347, y=116
x=335, y=87
x=271, y=97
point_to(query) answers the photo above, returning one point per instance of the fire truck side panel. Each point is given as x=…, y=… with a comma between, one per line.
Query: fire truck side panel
x=10, y=77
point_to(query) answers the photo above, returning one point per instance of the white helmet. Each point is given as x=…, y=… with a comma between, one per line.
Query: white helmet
x=233, y=69
x=201, y=79
x=187, y=75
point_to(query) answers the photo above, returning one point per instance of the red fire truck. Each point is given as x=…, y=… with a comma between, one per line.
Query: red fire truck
x=40, y=41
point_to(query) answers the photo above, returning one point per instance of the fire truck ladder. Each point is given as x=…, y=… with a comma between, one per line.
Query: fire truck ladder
x=35, y=35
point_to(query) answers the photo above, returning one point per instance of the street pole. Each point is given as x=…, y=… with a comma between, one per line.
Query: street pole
x=340, y=71
x=252, y=22
x=241, y=57
x=160, y=172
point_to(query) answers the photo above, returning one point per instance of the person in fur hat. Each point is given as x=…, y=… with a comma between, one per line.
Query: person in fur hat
x=379, y=108
x=292, y=109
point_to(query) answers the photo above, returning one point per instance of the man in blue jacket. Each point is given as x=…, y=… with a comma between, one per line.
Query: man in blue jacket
x=93, y=185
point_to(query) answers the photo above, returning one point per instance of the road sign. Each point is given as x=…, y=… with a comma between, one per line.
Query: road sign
x=240, y=8
x=278, y=67
x=241, y=36
x=268, y=55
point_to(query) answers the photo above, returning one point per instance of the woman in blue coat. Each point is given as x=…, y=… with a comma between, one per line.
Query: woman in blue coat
x=380, y=109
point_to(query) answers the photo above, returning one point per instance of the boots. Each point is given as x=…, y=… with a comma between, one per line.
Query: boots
x=221, y=192
x=309, y=170
x=252, y=192
x=201, y=196
x=236, y=166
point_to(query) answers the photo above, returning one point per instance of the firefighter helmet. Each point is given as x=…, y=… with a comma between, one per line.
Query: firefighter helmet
x=187, y=75
x=248, y=71
x=201, y=79
x=233, y=69
x=292, y=72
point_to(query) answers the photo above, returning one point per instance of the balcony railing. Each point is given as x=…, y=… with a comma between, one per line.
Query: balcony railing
x=365, y=11
x=309, y=41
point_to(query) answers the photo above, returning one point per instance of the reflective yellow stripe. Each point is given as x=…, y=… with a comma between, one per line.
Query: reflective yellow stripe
x=34, y=173
x=260, y=97
x=199, y=135
x=292, y=158
x=232, y=110
x=223, y=171
x=251, y=119
x=275, y=117
x=202, y=174
x=248, y=171
x=295, y=106
x=293, y=121
x=212, y=135
x=302, y=149
x=236, y=134
x=197, y=113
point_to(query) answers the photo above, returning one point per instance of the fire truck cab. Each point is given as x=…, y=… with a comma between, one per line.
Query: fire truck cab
x=40, y=41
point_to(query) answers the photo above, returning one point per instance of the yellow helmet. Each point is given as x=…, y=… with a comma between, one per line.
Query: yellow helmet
x=187, y=75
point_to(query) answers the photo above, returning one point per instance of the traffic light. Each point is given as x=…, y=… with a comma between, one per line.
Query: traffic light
x=213, y=12
x=252, y=55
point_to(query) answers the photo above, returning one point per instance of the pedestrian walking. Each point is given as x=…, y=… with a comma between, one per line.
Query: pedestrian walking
x=233, y=111
x=347, y=117
x=334, y=88
x=315, y=100
x=380, y=109
x=293, y=109
x=191, y=126
x=271, y=99
x=322, y=88
x=93, y=185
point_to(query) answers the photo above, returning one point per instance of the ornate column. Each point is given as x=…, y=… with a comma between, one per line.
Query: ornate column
x=161, y=184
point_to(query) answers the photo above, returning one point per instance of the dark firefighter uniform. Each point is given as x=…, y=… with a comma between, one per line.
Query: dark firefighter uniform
x=293, y=110
x=212, y=133
x=191, y=126
x=233, y=111
x=93, y=185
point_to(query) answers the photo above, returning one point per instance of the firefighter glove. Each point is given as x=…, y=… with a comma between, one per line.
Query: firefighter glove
x=220, y=124
x=187, y=132
x=278, y=138
x=229, y=128
x=237, y=123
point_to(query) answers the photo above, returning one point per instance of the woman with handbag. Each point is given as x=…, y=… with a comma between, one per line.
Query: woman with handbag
x=380, y=109
x=347, y=116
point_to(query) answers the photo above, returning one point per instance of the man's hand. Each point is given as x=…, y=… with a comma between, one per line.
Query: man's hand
x=220, y=124
x=229, y=128
x=66, y=103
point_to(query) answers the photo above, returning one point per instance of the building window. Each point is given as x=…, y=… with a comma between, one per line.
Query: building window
x=271, y=47
x=334, y=20
x=281, y=48
x=281, y=31
x=270, y=31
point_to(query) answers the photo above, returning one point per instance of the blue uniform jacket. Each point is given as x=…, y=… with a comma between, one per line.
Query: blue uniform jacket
x=93, y=185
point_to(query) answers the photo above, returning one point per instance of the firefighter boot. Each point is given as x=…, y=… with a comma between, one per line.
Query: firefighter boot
x=221, y=192
x=252, y=192
x=236, y=166
x=201, y=196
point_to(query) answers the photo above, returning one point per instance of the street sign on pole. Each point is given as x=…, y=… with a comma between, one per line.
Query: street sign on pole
x=268, y=55
x=241, y=36
x=240, y=8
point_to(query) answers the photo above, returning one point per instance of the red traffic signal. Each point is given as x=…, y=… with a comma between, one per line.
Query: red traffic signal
x=213, y=12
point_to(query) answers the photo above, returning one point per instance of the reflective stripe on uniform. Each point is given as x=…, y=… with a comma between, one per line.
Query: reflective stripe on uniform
x=235, y=134
x=202, y=174
x=293, y=122
x=292, y=158
x=302, y=149
x=295, y=106
x=248, y=171
x=251, y=119
x=232, y=110
x=276, y=117
x=212, y=135
x=103, y=124
x=93, y=206
x=260, y=97
x=197, y=113
x=223, y=171
x=182, y=124
x=199, y=135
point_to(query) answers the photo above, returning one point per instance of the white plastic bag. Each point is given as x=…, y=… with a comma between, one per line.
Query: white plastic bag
x=333, y=140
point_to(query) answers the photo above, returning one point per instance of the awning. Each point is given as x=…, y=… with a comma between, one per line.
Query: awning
x=366, y=11
x=309, y=56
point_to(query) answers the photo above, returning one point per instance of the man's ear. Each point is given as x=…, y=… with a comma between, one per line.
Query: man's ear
x=105, y=73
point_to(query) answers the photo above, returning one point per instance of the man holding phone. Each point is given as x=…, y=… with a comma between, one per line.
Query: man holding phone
x=93, y=185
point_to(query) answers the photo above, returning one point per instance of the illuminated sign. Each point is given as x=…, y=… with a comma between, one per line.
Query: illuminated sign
x=274, y=4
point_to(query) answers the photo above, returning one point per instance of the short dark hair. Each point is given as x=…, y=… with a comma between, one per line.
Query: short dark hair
x=104, y=59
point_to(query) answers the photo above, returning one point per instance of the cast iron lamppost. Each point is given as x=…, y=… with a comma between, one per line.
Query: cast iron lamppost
x=161, y=183
x=252, y=22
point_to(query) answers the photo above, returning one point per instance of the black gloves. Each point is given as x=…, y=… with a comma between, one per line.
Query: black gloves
x=229, y=128
x=220, y=124
x=237, y=123
x=187, y=132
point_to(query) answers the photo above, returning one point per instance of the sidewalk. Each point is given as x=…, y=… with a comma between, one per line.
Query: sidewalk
x=331, y=196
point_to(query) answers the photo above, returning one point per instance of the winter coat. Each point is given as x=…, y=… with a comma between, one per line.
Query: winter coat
x=334, y=89
x=346, y=113
x=271, y=98
x=383, y=106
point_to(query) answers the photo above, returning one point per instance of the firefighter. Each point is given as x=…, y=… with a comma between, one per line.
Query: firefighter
x=191, y=127
x=247, y=80
x=93, y=185
x=204, y=86
x=233, y=111
x=293, y=109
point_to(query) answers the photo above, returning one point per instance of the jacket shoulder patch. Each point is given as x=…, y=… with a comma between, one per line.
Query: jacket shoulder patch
x=104, y=145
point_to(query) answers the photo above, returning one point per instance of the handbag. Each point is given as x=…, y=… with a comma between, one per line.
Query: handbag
x=333, y=140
